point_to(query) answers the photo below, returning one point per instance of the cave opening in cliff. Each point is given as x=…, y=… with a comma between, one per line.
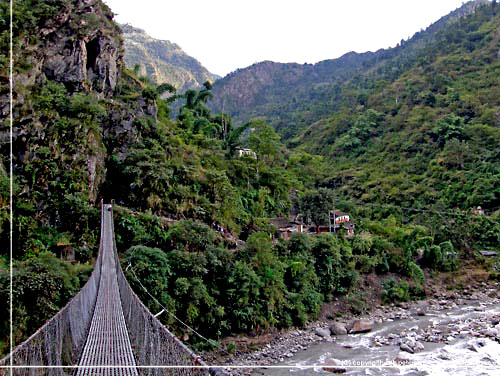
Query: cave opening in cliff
x=92, y=52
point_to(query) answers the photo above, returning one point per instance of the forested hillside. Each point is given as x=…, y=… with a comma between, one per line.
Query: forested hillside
x=428, y=136
x=192, y=215
x=416, y=126
x=293, y=96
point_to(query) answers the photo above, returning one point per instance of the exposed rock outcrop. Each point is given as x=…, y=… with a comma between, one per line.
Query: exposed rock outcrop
x=121, y=128
x=76, y=44
x=82, y=48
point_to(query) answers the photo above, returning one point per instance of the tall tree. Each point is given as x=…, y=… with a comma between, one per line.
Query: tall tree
x=315, y=205
x=264, y=141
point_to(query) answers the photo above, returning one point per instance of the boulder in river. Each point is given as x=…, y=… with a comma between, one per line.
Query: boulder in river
x=421, y=311
x=444, y=355
x=472, y=347
x=411, y=346
x=338, y=329
x=419, y=346
x=333, y=366
x=406, y=347
x=402, y=359
x=322, y=332
x=361, y=326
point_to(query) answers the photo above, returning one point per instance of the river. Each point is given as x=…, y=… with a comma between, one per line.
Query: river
x=455, y=343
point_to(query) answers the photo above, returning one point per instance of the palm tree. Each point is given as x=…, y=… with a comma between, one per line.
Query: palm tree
x=165, y=87
x=196, y=100
x=232, y=140
x=195, y=107
x=223, y=120
x=153, y=93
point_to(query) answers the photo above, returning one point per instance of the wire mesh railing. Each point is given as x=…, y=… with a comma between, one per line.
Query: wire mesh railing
x=152, y=343
x=60, y=340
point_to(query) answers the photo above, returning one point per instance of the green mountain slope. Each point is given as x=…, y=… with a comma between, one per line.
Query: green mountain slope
x=162, y=61
x=416, y=125
x=292, y=96
x=429, y=136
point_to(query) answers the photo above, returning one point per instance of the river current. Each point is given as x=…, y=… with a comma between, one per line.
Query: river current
x=462, y=355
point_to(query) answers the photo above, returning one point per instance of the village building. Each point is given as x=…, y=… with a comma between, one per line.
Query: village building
x=477, y=211
x=338, y=216
x=327, y=228
x=349, y=227
x=65, y=251
x=286, y=227
x=338, y=220
x=241, y=152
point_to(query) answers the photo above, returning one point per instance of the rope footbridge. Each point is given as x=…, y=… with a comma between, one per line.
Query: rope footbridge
x=105, y=330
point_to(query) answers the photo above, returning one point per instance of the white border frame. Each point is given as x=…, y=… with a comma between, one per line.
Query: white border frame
x=11, y=367
x=11, y=185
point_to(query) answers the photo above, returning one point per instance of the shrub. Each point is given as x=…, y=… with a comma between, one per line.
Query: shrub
x=449, y=257
x=382, y=266
x=231, y=347
x=366, y=264
x=432, y=257
x=441, y=257
x=333, y=265
x=394, y=292
x=415, y=273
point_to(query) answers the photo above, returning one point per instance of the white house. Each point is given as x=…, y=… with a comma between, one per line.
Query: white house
x=339, y=217
x=241, y=152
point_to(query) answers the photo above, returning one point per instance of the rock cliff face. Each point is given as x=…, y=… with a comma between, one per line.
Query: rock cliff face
x=124, y=125
x=66, y=68
x=81, y=48
x=163, y=61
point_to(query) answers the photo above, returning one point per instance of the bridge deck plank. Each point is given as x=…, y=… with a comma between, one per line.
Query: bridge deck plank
x=108, y=343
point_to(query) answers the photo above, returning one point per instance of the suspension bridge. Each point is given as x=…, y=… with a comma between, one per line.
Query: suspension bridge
x=105, y=330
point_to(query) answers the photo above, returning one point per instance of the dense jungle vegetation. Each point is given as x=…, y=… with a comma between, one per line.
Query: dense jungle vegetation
x=407, y=156
x=424, y=130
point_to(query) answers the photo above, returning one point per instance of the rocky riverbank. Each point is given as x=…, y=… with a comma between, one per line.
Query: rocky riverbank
x=486, y=325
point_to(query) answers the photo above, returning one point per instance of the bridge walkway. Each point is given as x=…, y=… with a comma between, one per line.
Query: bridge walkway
x=108, y=342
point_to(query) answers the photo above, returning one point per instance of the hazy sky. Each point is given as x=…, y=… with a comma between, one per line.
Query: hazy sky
x=228, y=34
